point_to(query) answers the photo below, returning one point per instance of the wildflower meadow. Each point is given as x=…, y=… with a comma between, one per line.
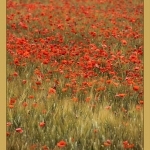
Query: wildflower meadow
x=75, y=74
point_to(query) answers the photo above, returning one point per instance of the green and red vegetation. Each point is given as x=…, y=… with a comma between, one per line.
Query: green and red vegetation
x=75, y=75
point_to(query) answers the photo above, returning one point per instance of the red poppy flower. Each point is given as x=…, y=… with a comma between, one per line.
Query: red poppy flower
x=124, y=42
x=45, y=147
x=24, y=81
x=88, y=99
x=107, y=143
x=19, y=130
x=35, y=104
x=120, y=95
x=25, y=104
x=127, y=145
x=9, y=124
x=136, y=88
x=44, y=111
x=7, y=133
x=12, y=101
x=31, y=96
x=108, y=81
x=15, y=74
x=64, y=89
x=75, y=99
x=138, y=107
x=108, y=107
x=38, y=83
x=51, y=91
x=141, y=102
x=61, y=144
x=11, y=106
x=42, y=124
x=95, y=130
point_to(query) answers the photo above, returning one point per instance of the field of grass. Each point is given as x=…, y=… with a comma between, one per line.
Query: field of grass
x=75, y=75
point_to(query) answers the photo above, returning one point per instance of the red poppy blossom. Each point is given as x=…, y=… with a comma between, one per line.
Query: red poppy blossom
x=136, y=88
x=125, y=142
x=127, y=145
x=141, y=102
x=61, y=144
x=12, y=101
x=9, y=124
x=115, y=84
x=124, y=110
x=11, y=106
x=64, y=89
x=101, y=89
x=19, y=130
x=109, y=81
x=44, y=111
x=47, y=80
x=42, y=124
x=24, y=81
x=124, y=42
x=51, y=91
x=75, y=99
x=35, y=104
x=7, y=133
x=25, y=104
x=88, y=99
x=16, y=61
x=15, y=74
x=138, y=107
x=120, y=95
x=45, y=147
x=107, y=143
x=108, y=107
x=34, y=146
x=95, y=130
x=31, y=96
x=38, y=83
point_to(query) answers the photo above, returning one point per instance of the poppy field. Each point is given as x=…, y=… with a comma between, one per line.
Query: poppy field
x=75, y=75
